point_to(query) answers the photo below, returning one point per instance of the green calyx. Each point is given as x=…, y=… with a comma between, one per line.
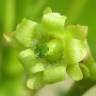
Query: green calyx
x=51, y=51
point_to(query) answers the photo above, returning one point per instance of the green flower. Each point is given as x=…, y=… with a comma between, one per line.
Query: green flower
x=50, y=51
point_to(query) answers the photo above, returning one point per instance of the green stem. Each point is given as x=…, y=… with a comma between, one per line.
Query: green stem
x=9, y=15
x=79, y=88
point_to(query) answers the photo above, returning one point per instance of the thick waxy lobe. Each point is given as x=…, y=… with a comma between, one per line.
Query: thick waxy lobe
x=75, y=50
x=54, y=74
x=75, y=72
x=28, y=58
x=35, y=82
x=78, y=31
x=53, y=21
x=24, y=32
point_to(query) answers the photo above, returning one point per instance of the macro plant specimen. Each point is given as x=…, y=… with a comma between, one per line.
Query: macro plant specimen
x=52, y=51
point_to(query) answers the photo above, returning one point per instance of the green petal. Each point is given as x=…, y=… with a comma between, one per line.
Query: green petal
x=91, y=64
x=85, y=70
x=75, y=51
x=74, y=72
x=53, y=21
x=78, y=31
x=24, y=32
x=28, y=58
x=54, y=74
x=38, y=67
x=35, y=82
